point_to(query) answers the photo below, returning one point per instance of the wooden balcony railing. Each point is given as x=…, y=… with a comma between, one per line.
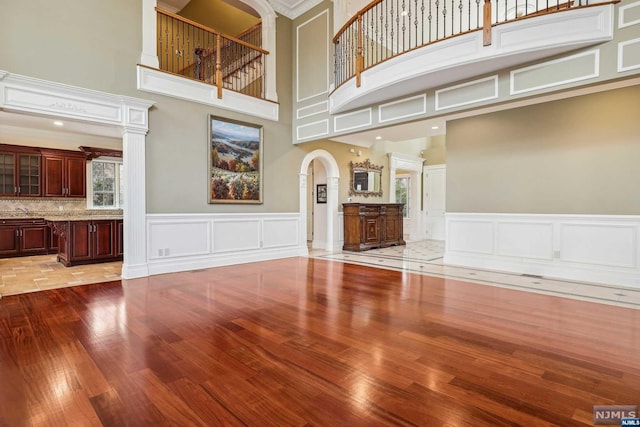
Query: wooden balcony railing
x=388, y=28
x=197, y=52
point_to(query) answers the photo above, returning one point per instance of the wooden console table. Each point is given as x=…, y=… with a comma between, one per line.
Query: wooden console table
x=372, y=225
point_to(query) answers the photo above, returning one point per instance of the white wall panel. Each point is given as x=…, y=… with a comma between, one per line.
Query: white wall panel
x=236, y=235
x=279, y=232
x=592, y=248
x=525, y=239
x=470, y=236
x=167, y=238
x=609, y=245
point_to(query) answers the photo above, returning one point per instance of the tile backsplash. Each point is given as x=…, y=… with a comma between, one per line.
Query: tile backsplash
x=36, y=206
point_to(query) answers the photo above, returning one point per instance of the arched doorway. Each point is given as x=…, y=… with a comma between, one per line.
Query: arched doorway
x=331, y=241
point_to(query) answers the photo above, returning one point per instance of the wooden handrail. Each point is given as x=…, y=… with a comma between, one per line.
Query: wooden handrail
x=355, y=18
x=210, y=30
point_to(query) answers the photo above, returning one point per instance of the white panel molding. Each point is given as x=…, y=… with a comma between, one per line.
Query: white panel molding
x=312, y=110
x=368, y=121
x=591, y=248
x=478, y=82
x=622, y=15
x=182, y=242
x=525, y=238
x=589, y=74
x=389, y=106
x=621, y=50
x=327, y=56
x=156, y=81
x=323, y=125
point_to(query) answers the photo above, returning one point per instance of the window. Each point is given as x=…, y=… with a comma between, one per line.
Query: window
x=402, y=194
x=106, y=186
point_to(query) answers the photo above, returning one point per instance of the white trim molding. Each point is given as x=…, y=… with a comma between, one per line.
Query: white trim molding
x=182, y=242
x=590, y=248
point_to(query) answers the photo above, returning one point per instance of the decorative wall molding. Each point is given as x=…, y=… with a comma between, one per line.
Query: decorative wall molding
x=593, y=248
x=312, y=110
x=292, y=11
x=353, y=120
x=632, y=9
x=312, y=130
x=403, y=108
x=181, y=242
x=578, y=67
x=319, y=60
x=631, y=49
x=467, y=93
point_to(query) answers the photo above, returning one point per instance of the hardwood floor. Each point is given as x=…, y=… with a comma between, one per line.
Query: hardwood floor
x=303, y=342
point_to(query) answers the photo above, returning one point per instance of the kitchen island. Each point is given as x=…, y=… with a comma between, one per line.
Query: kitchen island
x=87, y=239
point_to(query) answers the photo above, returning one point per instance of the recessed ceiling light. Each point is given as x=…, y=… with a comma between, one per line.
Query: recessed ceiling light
x=58, y=123
x=434, y=127
x=378, y=137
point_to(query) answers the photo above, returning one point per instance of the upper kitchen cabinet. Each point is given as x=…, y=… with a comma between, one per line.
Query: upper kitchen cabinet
x=20, y=171
x=64, y=173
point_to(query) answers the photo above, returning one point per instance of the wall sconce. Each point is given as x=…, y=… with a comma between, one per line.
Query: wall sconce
x=352, y=150
x=359, y=153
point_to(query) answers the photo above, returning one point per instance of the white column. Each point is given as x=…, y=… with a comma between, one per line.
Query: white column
x=302, y=232
x=269, y=43
x=332, y=211
x=135, y=207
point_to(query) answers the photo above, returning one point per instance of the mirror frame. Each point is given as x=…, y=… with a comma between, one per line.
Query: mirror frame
x=365, y=166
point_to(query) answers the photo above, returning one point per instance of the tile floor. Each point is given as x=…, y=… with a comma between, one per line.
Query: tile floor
x=36, y=273
x=426, y=257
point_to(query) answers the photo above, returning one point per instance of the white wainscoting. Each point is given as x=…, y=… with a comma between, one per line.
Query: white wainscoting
x=592, y=248
x=181, y=242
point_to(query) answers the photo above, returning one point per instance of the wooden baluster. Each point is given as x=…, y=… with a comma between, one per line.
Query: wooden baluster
x=359, y=55
x=486, y=23
x=219, y=65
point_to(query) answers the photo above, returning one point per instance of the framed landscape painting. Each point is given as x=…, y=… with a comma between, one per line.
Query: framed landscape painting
x=235, y=161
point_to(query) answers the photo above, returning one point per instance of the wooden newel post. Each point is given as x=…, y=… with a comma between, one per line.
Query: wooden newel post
x=359, y=56
x=219, y=65
x=486, y=23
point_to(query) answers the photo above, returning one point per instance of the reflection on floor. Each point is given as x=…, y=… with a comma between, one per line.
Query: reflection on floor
x=426, y=257
x=35, y=273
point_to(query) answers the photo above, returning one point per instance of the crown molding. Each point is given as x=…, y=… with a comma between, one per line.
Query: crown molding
x=293, y=9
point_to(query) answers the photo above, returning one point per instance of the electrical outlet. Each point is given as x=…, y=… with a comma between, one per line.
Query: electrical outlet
x=166, y=251
x=556, y=254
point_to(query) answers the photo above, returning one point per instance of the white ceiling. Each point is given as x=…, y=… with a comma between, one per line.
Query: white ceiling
x=397, y=133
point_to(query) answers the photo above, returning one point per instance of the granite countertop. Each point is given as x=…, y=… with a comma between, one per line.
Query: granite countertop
x=61, y=216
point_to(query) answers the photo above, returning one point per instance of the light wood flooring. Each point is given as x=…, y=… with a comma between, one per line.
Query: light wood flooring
x=42, y=272
x=311, y=342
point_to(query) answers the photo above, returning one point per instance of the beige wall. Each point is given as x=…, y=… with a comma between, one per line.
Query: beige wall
x=436, y=152
x=572, y=156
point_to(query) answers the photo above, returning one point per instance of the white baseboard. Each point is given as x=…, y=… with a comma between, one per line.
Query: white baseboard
x=591, y=248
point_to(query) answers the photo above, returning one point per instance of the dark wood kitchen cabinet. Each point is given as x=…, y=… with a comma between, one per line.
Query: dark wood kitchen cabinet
x=20, y=171
x=64, y=173
x=372, y=225
x=21, y=237
x=87, y=242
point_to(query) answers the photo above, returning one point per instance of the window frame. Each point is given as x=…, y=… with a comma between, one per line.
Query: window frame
x=117, y=184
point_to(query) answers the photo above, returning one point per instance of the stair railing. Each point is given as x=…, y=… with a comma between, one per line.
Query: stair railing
x=195, y=51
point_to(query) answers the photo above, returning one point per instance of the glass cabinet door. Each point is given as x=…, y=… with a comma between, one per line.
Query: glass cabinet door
x=29, y=173
x=7, y=174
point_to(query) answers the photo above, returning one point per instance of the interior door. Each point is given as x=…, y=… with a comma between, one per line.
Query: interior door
x=435, y=178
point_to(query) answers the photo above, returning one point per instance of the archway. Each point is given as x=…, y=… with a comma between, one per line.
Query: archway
x=333, y=176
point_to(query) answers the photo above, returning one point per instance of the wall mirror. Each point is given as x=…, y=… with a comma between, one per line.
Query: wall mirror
x=366, y=179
